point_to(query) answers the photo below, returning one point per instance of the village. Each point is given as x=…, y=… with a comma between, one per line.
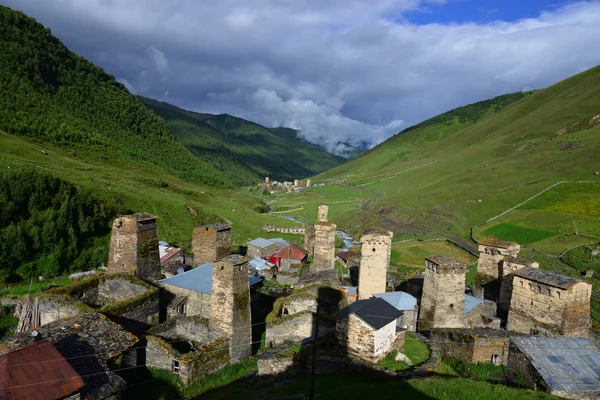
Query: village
x=192, y=314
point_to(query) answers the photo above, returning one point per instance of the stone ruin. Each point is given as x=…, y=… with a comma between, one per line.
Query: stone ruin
x=211, y=243
x=376, y=247
x=134, y=246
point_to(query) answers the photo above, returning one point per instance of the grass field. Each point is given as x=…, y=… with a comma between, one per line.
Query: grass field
x=416, y=350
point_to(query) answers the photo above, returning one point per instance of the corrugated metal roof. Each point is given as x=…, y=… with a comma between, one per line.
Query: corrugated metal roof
x=351, y=290
x=280, y=241
x=37, y=371
x=259, y=264
x=198, y=279
x=293, y=252
x=401, y=300
x=261, y=242
x=165, y=253
x=566, y=364
x=471, y=302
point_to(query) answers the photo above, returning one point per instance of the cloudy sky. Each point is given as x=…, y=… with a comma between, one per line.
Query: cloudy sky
x=341, y=71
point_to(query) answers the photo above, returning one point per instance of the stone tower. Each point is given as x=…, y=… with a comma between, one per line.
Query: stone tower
x=309, y=239
x=295, y=182
x=375, y=252
x=211, y=243
x=443, y=300
x=308, y=183
x=134, y=246
x=230, y=305
x=491, y=254
x=323, y=213
x=266, y=179
x=509, y=265
x=324, y=242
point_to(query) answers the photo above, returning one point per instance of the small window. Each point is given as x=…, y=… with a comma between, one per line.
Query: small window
x=373, y=249
x=530, y=287
x=539, y=289
x=548, y=292
x=521, y=282
x=175, y=366
x=558, y=294
x=451, y=306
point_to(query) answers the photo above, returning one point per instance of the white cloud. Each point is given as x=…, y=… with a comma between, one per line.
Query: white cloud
x=342, y=71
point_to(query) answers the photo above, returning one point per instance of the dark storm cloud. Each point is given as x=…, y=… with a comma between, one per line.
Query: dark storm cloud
x=340, y=71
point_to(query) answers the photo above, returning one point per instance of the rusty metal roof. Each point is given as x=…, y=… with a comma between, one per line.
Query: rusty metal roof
x=293, y=252
x=37, y=371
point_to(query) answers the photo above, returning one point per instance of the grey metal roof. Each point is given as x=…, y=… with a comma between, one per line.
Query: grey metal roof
x=375, y=312
x=352, y=290
x=260, y=264
x=546, y=277
x=198, y=279
x=280, y=241
x=261, y=242
x=401, y=300
x=566, y=364
x=471, y=302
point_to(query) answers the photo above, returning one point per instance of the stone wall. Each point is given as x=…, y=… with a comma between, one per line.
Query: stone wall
x=491, y=256
x=520, y=370
x=536, y=308
x=474, y=346
x=297, y=327
x=309, y=239
x=374, y=261
x=360, y=340
x=211, y=243
x=54, y=308
x=443, y=301
x=324, y=246
x=323, y=213
x=508, y=268
x=230, y=305
x=148, y=257
x=262, y=252
x=118, y=289
x=196, y=304
x=297, y=230
x=473, y=318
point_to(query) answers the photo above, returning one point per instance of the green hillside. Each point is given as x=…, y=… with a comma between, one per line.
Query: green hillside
x=76, y=149
x=245, y=152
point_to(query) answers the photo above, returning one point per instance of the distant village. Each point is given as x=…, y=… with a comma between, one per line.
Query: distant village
x=193, y=314
x=286, y=186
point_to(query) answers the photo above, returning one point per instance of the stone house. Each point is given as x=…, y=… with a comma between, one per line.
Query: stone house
x=344, y=256
x=263, y=248
x=188, y=347
x=549, y=304
x=566, y=367
x=211, y=243
x=376, y=247
x=405, y=303
x=24, y=371
x=367, y=329
x=480, y=313
x=290, y=258
x=443, y=300
x=134, y=246
x=89, y=342
x=491, y=254
x=508, y=266
x=474, y=345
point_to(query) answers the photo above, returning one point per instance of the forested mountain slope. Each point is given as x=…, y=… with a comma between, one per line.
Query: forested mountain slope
x=244, y=151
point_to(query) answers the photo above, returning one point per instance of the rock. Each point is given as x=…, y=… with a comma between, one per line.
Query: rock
x=574, y=125
x=41, y=278
x=594, y=121
x=403, y=358
x=588, y=273
x=560, y=132
x=479, y=200
x=595, y=252
x=596, y=173
x=44, y=153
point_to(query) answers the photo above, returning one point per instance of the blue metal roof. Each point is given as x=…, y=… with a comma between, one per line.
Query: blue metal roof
x=254, y=280
x=261, y=242
x=198, y=279
x=280, y=241
x=401, y=300
x=350, y=289
x=471, y=303
x=566, y=364
x=260, y=264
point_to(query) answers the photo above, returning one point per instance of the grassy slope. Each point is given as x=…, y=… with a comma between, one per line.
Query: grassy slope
x=250, y=151
x=435, y=177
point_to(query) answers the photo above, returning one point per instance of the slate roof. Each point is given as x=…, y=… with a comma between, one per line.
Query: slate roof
x=198, y=279
x=330, y=275
x=442, y=260
x=400, y=300
x=345, y=255
x=375, y=312
x=261, y=243
x=546, y=277
x=492, y=242
x=518, y=260
x=140, y=217
x=37, y=371
x=566, y=364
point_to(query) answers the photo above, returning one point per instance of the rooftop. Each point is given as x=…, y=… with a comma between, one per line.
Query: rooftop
x=519, y=260
x=218, y=227
x=376, y=232
x=140, y=217
x=375, y=312
x=166, y=252
x=293, y=252
x=546, y=277
x=320, y=276
x=400, y=300
x=566, y=364
x=37, y=371
x=198, y=279
x=442, y=260
x=345, y=255
x=261, y=243
x=493, y=242
x=471, y=302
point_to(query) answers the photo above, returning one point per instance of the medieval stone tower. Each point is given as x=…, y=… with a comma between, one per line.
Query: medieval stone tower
x=443, y=300
x=134, y=246
x=211, y=243
x=309, y=239
x=375, y=254
x=266, y=179
x=295, y=182
x=324, y=242
x=230, y=305
x=491, y=254
x=509, y=265
x=308, y=183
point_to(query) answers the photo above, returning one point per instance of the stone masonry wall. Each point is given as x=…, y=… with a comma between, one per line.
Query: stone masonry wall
x=123, y=246
x=211, y=243
x=508, y=269
x=230, y=305
x=492, y=350
x=473, y=318
x=296, y=327
x=324, y=247
x=197, y=303
x=536, y=308
x=374, y=261
x=443, y=300
x=355, y=337
x=53, y=309
x=490, y=258
x=148, y=258
x=309, y=239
